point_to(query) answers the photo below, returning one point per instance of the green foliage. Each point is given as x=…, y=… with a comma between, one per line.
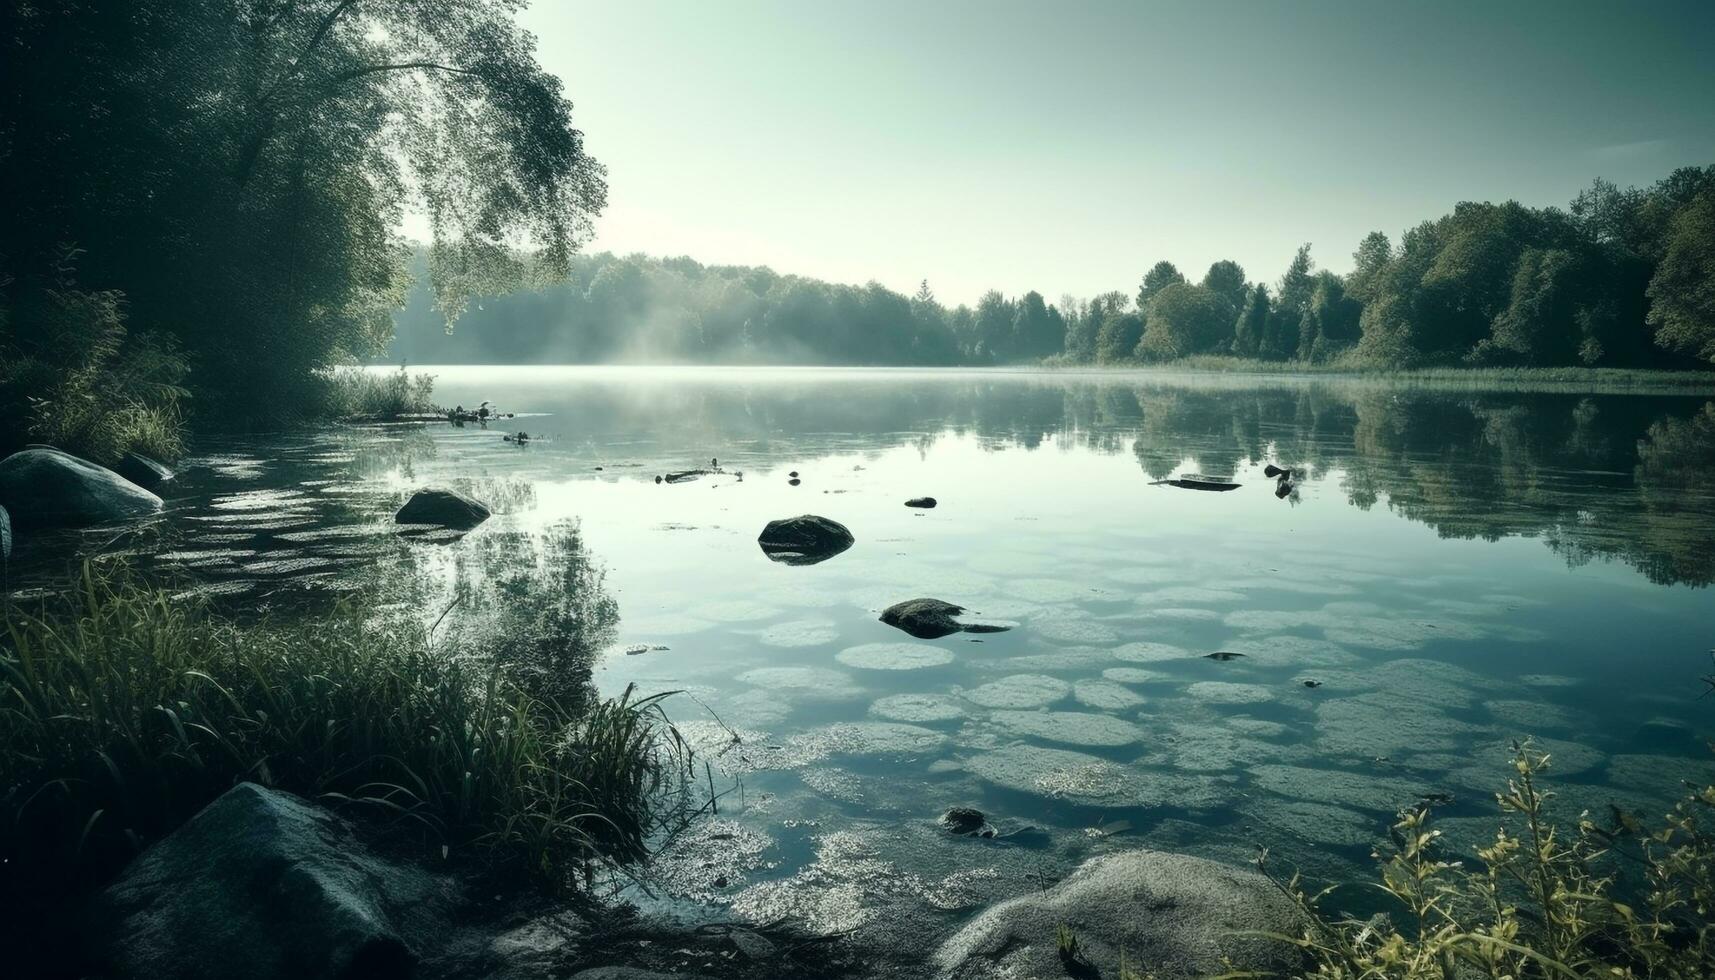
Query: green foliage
x=1683, y=289
x=1543, y=901
x=73, y=376
x=124, y=710
x=354, y=392
x=1184, y=319
x=1118, y=337
x=1161, y=275
x=242, y=184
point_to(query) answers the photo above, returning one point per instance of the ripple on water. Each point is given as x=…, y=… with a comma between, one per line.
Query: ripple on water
x=802, y=682
x=1019, y=691
x=1145, y=653
x=894, y=656
x=801, y=633
x=1091, y=781
x=1068, y=727
x=1105, y=695
x=1229, y=692
x=917, y=708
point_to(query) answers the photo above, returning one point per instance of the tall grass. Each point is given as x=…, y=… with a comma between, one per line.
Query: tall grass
x=123, y=711
x=354, y=392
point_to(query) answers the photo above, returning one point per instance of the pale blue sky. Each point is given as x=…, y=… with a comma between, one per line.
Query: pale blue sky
x=1066, y=147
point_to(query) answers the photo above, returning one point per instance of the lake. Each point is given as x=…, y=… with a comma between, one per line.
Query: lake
x=1453, y=568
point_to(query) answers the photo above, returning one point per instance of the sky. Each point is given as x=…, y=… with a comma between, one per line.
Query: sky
x=1066, y=147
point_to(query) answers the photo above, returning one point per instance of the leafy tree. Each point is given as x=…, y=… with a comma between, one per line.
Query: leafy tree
x=1226, y=279
x=1292, y=299
x=1182, y=320
x=1330, y=323
x=1372, y=255
x=1252, y=322
x=1161, y=275
x=1037, y=329
x=994, y=316
x=1682, y=292
x=1118, y=336
x=242, y=183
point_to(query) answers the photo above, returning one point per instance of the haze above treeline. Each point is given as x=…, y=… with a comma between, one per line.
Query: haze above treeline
x=1620, y=277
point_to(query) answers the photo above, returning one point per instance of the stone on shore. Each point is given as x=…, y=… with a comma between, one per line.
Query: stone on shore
x=44, y=487
x=263, y=884
x=143, y=471
x=1170, y=915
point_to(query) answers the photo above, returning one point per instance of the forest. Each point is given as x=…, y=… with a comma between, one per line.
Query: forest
x=1621, y=278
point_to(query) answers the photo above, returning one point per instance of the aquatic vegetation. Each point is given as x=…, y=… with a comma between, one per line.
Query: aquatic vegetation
x=1544, y=899
x=1068, y=727
x=124, y=711
x=894, y=656
x=1019, y=691
x=353, y=392
x=917, y=708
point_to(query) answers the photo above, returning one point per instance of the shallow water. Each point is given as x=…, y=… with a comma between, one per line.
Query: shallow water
x=1455, y=569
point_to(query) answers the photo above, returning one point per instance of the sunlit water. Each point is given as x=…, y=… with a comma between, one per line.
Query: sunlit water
x=1455, y=569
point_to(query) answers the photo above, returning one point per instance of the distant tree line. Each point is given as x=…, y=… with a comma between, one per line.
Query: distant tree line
x=1622, y=277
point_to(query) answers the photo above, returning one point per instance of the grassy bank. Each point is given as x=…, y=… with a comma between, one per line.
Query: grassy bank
x=123, y=711
x=1452, y=376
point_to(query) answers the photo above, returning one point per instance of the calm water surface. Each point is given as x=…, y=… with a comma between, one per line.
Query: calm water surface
x=1455, y=569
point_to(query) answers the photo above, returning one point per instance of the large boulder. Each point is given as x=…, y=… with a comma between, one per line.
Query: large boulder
x=443, y=507
x=44, y=487
x=263, y=884
x=1171, y=915
x=929, y=619
x=143, y=471
x=804, y=540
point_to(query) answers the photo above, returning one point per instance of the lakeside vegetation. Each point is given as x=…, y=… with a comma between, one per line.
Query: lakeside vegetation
x=129, y=707
x=204, y=200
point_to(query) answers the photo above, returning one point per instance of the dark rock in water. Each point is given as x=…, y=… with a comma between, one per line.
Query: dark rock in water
x=5, y=535
x=793, y=474
x=47, y=488
x=794, y=482
x=924, y=502
x=1312, y=683
x=657, y=478
x=1284, y=489
x=1272, y=472
x=442, y=507
x=1223, y=655
x=143, y=471
x=804, y=540
x=929, y=619
x=1192, y=481
x=685, y=476
x=263, y=884
x=963, y=820
x=1179, y=916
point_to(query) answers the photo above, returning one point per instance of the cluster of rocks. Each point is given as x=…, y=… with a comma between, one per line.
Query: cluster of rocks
x=44, y=489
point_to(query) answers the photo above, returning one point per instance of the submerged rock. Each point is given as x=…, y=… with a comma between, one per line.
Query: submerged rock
x=929, y=619
x=44, y=487
x=804, y=540
x=261, y=883
x=925, y=503
x=963, y=820
x=143, y=471
x=443, y=507
x=1172, y=915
